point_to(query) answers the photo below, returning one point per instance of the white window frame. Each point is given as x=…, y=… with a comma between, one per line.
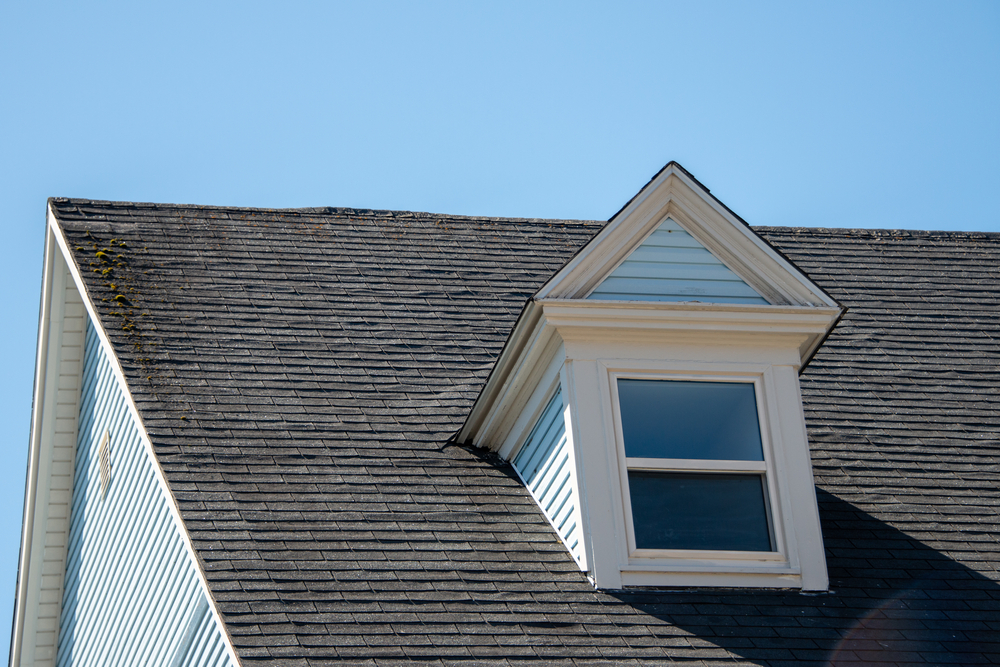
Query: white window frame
x=765, y=467
x=798, y=560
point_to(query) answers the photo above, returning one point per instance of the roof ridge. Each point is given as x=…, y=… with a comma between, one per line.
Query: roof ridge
x=875, y=232
x=60, y=202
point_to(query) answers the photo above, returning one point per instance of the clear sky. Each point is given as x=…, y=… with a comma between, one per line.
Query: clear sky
x=867, y=114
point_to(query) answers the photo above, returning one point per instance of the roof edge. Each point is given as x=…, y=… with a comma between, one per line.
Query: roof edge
x=875, y=232
x=679, y=167
x=56, y=202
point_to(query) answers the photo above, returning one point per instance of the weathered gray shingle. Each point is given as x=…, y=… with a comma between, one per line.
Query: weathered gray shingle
x=301, y=374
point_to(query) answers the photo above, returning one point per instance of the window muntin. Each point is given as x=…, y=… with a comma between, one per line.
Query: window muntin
x=696, y=470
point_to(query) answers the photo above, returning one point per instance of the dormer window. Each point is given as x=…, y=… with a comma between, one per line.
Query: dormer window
x=667, y=353
x=695, y=467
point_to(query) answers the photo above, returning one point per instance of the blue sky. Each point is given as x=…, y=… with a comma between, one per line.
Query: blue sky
x=860, y=114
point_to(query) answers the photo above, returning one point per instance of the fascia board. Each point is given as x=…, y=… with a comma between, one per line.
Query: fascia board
x=538, y=347
x=521, y=381
x=527, y=406
x=63, y=246
x=798, y=327
x=604, y=249
x=740, y=248
x=31, y=481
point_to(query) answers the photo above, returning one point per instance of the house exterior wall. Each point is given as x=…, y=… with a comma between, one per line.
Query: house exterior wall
x=545, y=465
x=671, y=265
x=131, y=594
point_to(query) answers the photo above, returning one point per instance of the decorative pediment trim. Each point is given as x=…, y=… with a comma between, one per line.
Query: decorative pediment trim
x=674, y=193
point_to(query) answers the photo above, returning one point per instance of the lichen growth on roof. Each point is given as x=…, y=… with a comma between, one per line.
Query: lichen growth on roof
x=109, y=260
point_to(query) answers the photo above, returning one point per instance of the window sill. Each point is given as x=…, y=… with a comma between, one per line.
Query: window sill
x=727, y=577
x=645, y=557
x=779, y=567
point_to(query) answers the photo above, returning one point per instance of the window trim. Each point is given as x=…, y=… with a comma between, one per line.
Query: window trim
x=779, y=550
x=782, y=561
x=694, y=465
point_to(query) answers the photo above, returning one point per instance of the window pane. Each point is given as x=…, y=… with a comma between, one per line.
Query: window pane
x=675, y=510
x=690, y=420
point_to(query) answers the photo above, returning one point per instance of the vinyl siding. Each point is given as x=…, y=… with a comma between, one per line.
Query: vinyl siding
x=671, y=265
x=132, y=595
x=544, y=464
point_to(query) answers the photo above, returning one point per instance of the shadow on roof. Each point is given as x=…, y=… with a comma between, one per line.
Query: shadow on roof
x=893, y=600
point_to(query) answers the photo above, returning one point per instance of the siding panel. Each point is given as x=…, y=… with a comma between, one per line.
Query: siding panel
x=132, y=594
x=671, y=265
x=545, y=465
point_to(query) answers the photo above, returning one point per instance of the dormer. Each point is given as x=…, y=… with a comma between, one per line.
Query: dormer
x=649, y=399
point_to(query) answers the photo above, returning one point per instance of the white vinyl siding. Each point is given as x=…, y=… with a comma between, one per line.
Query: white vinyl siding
x=671, y=265
x=132, y=595
x=545, y=466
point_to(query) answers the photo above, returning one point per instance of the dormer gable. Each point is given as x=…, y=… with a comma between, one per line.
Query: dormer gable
x=648, y=375
x=673, y=202
x=671, y=265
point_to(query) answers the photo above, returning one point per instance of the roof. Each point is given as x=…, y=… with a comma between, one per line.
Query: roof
x=301, y=374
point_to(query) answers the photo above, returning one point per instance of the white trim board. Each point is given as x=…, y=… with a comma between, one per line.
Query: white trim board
x=48, y=487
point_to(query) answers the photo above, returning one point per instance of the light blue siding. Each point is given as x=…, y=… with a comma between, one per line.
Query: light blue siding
x=131, y=592
x=671, y=265
x=545, y=466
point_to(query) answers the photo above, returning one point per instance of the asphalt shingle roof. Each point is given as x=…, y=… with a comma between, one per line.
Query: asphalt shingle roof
x=301, y=374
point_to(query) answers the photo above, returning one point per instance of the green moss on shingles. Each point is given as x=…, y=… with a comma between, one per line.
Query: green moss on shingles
x=106, y=263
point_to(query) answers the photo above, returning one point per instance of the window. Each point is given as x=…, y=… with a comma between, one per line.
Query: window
x=695, y=464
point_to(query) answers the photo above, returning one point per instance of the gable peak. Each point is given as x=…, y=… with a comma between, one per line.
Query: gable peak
x=670, y=264
x=673, y=193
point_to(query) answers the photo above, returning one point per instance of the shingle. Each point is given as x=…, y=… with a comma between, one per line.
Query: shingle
x=301, y=373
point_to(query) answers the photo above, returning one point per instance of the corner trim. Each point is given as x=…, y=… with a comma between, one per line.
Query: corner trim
x=31, y=481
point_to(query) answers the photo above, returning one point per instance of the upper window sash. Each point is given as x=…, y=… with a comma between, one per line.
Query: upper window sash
x=689, y=419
